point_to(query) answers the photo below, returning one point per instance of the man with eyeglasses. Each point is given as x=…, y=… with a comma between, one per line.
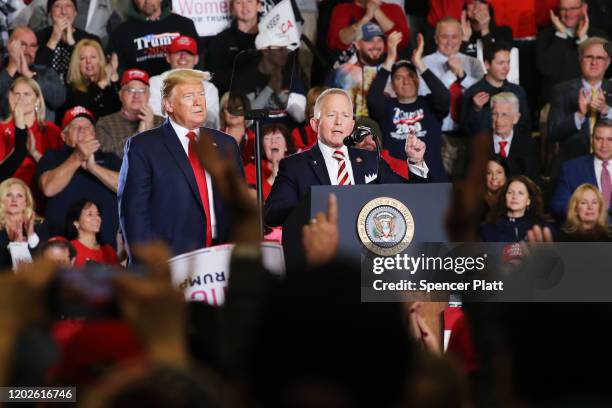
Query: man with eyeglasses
x=80, y=170
x=576, y=105
x=22, y=50
x=557, y=45
x=134, y=117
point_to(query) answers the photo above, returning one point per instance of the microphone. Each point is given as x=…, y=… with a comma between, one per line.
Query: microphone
x=357, y=135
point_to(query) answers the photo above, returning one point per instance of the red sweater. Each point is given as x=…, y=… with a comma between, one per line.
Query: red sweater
x=51, y=138
x=105, y=254
x=250, y=174
x=443, y=8
x=345, y=14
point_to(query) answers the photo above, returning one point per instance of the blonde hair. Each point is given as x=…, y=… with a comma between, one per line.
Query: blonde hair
x=178, y=77
x=41, y=108
x=605, y=44
x=573, y=224
x=74, y=76
x=4, y=187
x=325, y=94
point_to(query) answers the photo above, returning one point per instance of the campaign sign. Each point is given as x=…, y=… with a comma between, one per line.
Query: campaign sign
x=209, y=16
x=203, y=275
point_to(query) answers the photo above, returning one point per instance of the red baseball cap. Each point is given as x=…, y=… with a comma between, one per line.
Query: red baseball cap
x=183, y=43
x=134, y=74
x=77, y=112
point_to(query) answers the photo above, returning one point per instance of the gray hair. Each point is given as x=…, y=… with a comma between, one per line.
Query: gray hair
x=325, y=94
x=506, y=97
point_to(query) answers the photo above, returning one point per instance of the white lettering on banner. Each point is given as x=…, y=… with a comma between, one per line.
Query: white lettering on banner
x=209, y=16
x=203, y=275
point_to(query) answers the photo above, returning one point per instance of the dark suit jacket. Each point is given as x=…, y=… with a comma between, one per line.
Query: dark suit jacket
x=297, y=173
x=523, y=156
x=561, y=124
x=158, y=194
x=573, y=174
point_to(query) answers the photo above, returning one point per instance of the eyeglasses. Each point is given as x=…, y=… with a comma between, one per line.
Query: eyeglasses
x=568, y=9
x=79, y=129
x=135, y=90
x=595, y=58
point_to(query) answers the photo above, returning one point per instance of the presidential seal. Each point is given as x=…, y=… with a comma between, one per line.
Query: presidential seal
x=385, y=226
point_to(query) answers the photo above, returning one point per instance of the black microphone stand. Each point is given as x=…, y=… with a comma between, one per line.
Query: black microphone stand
x=256, y=115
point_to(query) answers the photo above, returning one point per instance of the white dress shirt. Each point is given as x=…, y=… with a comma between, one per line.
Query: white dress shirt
x=182, y=135
x=438, y=64
x=211, y=94
x=497, y=139
x=332, y=164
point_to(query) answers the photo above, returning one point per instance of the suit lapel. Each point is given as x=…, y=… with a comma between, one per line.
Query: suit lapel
x=317, y=163
x=177, y=152
x=589, y=167
x=357, y=164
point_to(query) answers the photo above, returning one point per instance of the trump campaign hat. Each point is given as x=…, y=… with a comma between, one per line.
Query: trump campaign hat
x=77, y=112
x=183, y=43
x=368, y=31
x=134, y=74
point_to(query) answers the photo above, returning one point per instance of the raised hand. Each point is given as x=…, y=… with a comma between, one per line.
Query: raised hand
x=480, y=100
x=18, y=115
x=392, y=42
x=483, y=17
x=415, y=149
x=31, y=145
x=599, y=104
x=557, y=23
x=583, y=26
x=69, y=34
x=417, y=54
x=14, y=231
x=455, y=65
x=583, y=102
x=320, y=237
x=146, y=117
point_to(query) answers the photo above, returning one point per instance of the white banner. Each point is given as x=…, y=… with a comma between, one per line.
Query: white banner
x=209, y=16
x=278, y=28
x=203, y=275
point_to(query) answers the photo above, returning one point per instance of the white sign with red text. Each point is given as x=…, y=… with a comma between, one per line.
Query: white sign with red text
x=203, y=275
x=209, y=16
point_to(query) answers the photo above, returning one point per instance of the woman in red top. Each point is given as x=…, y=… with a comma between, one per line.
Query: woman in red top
x=26, y=97
x=276, y=143
x=82, y=229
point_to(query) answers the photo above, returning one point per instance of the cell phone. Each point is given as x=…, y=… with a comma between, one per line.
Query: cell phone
x=84, y=293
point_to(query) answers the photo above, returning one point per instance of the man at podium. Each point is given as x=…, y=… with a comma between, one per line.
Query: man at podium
x=330, y=162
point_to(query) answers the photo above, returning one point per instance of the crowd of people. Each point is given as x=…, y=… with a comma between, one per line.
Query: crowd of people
x=113, y=122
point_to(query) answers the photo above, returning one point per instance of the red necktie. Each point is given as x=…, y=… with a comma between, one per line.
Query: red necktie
x=456, y=92
x=502, y=148
x=200, y=177
x=343, y=176
x=606, y=184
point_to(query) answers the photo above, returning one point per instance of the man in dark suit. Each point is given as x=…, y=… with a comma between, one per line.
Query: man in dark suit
x=558, y=45
x=163, y=191
x=330, y=162
x=577, y=104
x=594, y=169
x=511, y=140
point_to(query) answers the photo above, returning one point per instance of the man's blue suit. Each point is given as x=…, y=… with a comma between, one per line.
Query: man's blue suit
x=158, y=194
x=573, y=173
x=298, y=172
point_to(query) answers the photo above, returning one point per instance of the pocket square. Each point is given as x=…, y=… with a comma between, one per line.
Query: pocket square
x=370, y=178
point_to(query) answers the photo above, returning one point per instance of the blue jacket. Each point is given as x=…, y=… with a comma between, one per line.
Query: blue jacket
x=158, y=194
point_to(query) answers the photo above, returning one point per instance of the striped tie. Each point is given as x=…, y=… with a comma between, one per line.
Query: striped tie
x=343, y=176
